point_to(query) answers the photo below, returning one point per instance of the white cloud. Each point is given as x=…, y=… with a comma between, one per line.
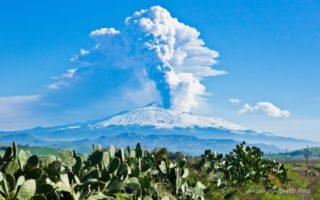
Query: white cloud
x=84, y=52
x=234, y=101
x=10, y=103
x=104, y=31
x=63, y=79
x=265, y=108
x=152, y=46
x=15, y=111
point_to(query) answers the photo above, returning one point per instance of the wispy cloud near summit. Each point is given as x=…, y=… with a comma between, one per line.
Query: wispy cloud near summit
x=234, y=101
x=265, y=108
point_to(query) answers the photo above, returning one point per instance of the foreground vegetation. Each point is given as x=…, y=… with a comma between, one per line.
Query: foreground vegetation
x=136, y=174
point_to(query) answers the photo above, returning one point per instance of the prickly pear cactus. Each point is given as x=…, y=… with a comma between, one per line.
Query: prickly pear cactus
x=23, y=157
x=114, y=165
x=27, y=190
x=33, y=161
x=128, y=174
x=12, y=167
x=67, y=159
x=105, y=159
x=112, y=151
x=50, y=159
x=138, y=151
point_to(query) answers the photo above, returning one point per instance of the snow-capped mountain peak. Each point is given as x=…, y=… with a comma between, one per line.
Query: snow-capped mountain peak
x=154, y=115
x=153, y=126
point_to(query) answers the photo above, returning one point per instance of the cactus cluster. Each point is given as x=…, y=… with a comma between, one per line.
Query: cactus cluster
x=125, y=174
x=104, y=174
x=243, y=165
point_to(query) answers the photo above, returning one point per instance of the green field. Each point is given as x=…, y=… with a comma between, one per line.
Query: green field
x=40, y=151
x=313, y=153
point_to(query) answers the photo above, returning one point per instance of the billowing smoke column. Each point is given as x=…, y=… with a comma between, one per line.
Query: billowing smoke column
x=166, y=51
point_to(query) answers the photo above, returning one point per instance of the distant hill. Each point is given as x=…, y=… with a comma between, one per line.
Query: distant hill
x=314, y=152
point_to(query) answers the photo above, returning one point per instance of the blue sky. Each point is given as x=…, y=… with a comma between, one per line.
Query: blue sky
x=270, y=50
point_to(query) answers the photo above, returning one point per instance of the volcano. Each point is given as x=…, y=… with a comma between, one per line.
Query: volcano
x=154, y=127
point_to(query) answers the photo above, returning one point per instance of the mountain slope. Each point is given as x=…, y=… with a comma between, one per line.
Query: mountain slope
x=158, y=117
x=154, y=126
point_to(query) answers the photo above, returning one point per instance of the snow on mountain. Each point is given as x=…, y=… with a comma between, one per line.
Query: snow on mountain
x=69, y=127
x=153, y=126
x=158, y=117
